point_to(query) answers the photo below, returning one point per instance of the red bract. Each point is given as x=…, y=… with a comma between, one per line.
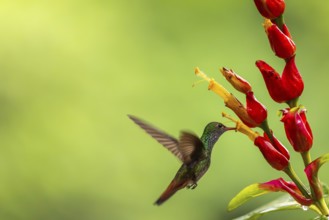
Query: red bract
x=282, y=89
x=256, y=110
x=311, y=172
x=292, y=80
x=273, y=156
x=297, y=129
x=280, y=185
x=285, y=30
x=278, y=145
x=282, y=45
x=270, y=8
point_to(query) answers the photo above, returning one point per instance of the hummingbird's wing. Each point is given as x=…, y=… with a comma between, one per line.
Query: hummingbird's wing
x=190, y=146
x=166, y=140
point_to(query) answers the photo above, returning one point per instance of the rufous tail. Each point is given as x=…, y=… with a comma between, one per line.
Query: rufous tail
x=173, y=187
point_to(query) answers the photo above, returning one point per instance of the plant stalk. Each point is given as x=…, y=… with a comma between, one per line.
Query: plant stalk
x=293, y=102
x=264, y=126
x=306, y=158
x=279, y=21
x=293, y=176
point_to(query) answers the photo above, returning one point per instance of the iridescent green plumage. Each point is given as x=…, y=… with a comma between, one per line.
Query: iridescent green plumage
x=194, y=152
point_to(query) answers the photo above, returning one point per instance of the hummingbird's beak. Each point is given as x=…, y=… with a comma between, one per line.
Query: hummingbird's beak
x=229, y=128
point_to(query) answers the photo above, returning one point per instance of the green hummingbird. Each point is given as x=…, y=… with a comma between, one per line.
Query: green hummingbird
x=194, y=152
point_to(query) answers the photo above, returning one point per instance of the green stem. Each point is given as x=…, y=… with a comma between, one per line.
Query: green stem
x=321, y=204
x=317, y=194
x=293, y=102
x=306, y=158
x=292, y=174
x=264, y=126
x=279, y=21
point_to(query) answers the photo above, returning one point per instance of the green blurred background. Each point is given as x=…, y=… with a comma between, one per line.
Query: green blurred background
x=70, y=72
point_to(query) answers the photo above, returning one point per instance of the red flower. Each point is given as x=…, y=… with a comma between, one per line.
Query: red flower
x=281, y=43
x=285, y=30
x=278, y=145
x=270, y=8
x=280, y=185
x=256, y=110
x=255, y=113
x=282, y=88
x=297, y=129
x=275, y=154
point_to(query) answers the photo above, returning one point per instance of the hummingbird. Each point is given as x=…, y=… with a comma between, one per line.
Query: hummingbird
x=192, y=151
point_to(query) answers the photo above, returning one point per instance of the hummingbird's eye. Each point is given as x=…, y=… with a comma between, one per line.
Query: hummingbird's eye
x=219, y=125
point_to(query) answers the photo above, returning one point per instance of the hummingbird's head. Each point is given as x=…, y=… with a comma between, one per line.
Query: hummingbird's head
x=216, y=129
x=212, y=132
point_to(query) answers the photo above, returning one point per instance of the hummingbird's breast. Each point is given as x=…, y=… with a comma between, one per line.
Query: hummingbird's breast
x=193, y=171
x=201, y=168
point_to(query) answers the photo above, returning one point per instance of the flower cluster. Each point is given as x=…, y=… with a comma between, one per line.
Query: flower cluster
x=284, y=88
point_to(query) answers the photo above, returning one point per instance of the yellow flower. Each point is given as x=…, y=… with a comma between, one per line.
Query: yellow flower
x=242, y=127
x=229, y=99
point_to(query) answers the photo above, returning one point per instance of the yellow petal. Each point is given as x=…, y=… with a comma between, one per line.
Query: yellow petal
x=219, y=90
x=214, y=86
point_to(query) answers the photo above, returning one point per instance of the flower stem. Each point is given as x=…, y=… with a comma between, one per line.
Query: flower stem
x=321, y=204
x=293, y=102
x=292, y=174
x=264, y=126
x=279, y=21
x=306, y=158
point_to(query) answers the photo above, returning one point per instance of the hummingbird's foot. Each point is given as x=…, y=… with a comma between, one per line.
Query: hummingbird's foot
x=192, y=186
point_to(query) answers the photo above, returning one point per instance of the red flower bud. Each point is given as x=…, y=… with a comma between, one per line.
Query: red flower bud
x=285, y=30
x=297, y=129
x=280, y=185
x=272, y=155
x=236, y=81
x=292, y=80
x=256, y=110
x=282, y=45
x=270, y=8
x=254, y=114
x=278, y=145
x=282, y=89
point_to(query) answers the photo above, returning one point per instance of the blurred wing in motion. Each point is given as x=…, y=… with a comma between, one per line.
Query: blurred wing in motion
x=166, y=140
x=190, y=146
